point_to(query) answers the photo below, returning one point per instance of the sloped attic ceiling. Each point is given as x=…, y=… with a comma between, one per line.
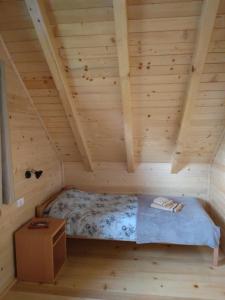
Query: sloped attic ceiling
x=162, y=39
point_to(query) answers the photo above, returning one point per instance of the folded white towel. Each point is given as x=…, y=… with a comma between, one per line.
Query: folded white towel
x=162, y=201
x=166, y=204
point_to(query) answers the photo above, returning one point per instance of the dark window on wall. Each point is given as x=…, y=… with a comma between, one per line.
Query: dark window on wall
x=6, y=174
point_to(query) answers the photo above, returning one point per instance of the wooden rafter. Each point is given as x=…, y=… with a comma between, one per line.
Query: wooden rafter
x=205, y=28
x=120, y=18
x=45, y=35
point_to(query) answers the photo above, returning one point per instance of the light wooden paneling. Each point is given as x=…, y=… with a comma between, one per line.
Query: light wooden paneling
x=161, y=43
x=19, y=35
x=45, y=35
x=217, y=189
x=148, y=178
x=120, y=20
x=30, y=149
x=155, y=64
x=203, y=38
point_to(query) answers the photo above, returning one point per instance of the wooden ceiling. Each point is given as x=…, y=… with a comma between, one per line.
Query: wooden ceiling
x=116, y=80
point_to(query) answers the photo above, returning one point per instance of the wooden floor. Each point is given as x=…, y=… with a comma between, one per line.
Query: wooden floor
x=121, y=271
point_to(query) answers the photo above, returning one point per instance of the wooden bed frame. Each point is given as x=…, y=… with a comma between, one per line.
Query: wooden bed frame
x=40, y=212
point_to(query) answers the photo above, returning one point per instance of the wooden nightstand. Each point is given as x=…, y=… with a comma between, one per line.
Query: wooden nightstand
x=40, y=253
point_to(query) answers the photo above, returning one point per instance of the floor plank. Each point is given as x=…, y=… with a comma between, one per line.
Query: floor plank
x=119, y=270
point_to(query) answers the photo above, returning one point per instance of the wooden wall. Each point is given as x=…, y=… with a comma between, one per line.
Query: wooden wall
x=21, y=40
x=152, y=178
x=161, y=40
x=217, y=189
x=30, y=149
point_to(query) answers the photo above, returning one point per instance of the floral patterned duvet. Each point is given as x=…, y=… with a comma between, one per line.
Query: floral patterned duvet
x=101, y=216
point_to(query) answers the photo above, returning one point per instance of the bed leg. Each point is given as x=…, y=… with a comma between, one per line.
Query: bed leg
x=215, y=256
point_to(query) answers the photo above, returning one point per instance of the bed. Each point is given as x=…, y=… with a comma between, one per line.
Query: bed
x=130, y=218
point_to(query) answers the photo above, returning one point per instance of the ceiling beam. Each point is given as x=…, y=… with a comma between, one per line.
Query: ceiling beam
x=121, y=31
x=37, y=11
x=204, y=33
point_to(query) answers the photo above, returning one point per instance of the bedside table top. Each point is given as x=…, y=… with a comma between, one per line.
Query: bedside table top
x=54, y=226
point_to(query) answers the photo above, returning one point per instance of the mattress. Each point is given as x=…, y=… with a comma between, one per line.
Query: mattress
x=100, y=216
x=191, y=226
x=130, y=218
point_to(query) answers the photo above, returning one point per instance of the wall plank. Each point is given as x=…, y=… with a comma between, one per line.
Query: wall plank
x=154, y=178
x=30, y=149
x=217, y=189
x=161, y=40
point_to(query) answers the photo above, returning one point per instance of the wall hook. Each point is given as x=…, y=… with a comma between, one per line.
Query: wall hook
x=37, y=173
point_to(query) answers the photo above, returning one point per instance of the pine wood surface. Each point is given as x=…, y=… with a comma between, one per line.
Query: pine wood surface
x=148, y=178
x=217, y=190
x=120, y=270
x=161, y=43
x=31, y=148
